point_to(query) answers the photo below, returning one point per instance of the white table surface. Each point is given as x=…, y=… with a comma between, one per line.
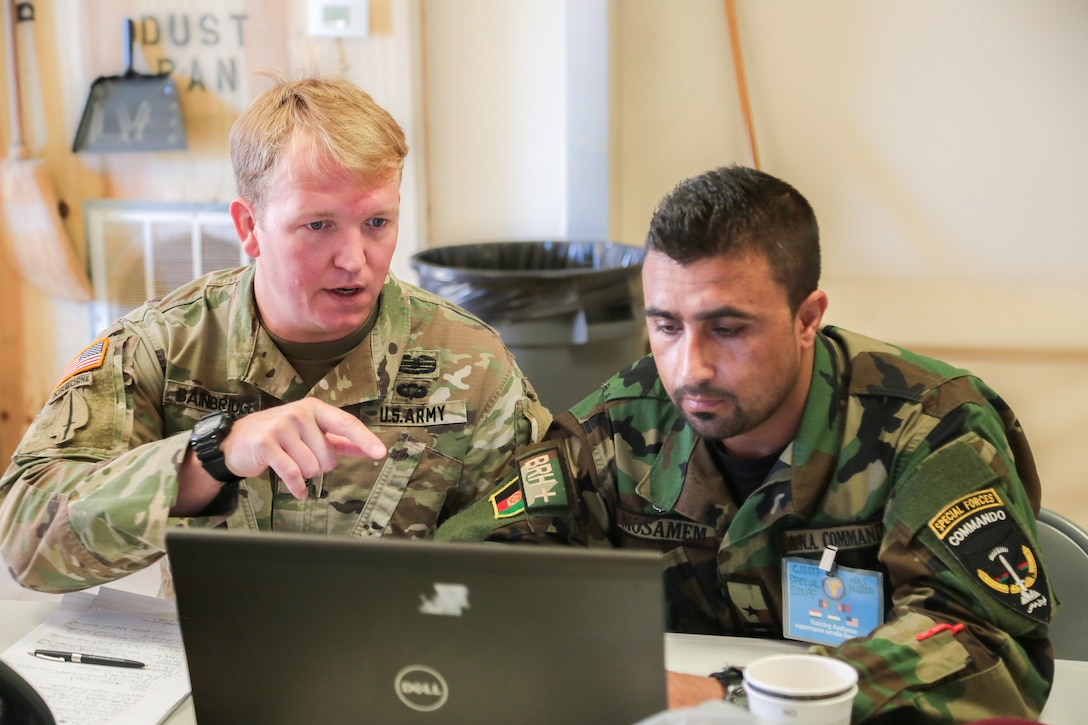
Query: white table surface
x=701, y=655
x=694, y=654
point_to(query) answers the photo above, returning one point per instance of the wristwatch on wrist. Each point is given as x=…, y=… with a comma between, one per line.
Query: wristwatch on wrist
x=732, y=681
x=205, y=438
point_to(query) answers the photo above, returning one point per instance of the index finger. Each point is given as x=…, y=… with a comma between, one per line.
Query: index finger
x=332, y=420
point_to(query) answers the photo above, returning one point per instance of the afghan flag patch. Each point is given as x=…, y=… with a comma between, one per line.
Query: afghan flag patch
x=508, y=501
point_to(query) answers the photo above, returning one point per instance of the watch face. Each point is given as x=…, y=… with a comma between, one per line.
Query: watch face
x=204, y=426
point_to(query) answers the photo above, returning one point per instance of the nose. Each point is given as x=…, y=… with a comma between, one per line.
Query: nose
x=695, y=359
x=350, y=254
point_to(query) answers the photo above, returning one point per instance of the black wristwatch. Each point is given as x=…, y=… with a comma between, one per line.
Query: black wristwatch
x=732, y=681
x=205, y=438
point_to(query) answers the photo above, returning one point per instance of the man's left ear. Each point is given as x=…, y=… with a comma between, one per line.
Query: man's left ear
x=810, y=313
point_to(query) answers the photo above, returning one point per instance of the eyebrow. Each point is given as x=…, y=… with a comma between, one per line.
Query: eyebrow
x=326, y=213
x=715, y=314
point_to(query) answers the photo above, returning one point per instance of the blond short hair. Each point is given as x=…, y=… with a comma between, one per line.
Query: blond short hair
x=331, y=115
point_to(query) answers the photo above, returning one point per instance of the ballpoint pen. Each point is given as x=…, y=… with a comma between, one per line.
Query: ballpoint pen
x=57, y=656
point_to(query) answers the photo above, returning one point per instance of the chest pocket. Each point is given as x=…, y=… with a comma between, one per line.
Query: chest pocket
x=401, y=495
x=409, y=492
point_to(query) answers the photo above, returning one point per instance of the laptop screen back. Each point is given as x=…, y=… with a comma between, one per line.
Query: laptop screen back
x=292, y=628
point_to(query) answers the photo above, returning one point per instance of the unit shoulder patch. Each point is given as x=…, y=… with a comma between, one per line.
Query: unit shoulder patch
x=542, y=480
x=985, y=538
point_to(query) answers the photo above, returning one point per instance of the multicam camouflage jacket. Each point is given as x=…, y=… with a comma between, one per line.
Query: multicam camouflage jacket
x=87, y=497
x=910, y=467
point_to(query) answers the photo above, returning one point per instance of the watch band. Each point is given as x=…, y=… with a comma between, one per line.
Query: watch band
x=205, y=444
x=732, y=680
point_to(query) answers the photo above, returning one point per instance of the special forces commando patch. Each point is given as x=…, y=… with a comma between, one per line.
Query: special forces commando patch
x=985, y=538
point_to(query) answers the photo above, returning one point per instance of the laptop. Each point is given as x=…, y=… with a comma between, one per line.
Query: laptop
x=300, y=628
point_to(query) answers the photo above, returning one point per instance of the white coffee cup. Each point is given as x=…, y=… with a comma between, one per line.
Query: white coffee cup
x=803, y=689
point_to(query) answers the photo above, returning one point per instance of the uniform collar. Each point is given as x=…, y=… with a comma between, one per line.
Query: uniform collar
x=362, y=376
x=817, y=445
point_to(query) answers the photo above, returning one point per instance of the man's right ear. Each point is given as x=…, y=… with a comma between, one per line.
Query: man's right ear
x=245, y=226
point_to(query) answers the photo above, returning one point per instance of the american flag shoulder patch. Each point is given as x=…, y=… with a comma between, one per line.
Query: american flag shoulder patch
x=91, y=358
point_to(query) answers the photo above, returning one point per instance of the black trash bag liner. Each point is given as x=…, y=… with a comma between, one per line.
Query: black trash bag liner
x=506, y=283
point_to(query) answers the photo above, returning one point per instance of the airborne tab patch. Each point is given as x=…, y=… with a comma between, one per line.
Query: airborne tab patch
x=542, y=480
x=80, y=380
x=985, y=538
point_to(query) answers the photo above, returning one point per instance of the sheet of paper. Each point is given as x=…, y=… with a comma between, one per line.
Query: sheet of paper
x=115, y=624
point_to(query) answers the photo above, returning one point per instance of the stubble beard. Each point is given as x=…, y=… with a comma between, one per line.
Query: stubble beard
x=718, y=426
x=737, y=419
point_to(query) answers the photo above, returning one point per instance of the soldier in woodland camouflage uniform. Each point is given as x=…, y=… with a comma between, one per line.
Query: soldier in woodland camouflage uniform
x=355, y=404
x=752, y=441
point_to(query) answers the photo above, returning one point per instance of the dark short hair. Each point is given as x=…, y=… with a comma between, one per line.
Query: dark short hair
x=738, y=210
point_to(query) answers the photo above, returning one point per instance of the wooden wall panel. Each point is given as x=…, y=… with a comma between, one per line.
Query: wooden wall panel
x=216, y=49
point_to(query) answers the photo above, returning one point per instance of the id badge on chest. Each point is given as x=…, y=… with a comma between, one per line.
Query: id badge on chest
x=828, y=604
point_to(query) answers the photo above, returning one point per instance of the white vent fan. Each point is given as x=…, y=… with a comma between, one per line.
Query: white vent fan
x=139, y=251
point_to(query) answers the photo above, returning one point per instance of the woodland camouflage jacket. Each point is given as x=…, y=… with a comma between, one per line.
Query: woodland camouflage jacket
x=910, y=467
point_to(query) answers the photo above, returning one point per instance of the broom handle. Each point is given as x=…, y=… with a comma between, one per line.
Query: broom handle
x=18, y=149
x=742, y=85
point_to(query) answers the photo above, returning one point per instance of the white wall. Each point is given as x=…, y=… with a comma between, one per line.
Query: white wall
x=496, y=119
x=940, y=143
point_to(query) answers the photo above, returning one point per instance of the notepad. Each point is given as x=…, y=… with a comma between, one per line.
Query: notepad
x=111, y=623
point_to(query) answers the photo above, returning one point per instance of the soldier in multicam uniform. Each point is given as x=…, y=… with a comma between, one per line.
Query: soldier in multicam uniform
x=802, y=482
x=332, y=398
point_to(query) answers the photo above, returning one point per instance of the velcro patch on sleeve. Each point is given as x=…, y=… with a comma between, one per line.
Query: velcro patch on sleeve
x=987, y=540
x=508, y=501
x=90, y=358
x=542, y=479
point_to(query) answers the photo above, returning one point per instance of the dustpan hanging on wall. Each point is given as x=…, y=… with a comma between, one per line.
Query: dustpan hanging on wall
x=132, y=111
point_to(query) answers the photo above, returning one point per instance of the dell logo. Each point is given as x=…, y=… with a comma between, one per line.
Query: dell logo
x=421, y=688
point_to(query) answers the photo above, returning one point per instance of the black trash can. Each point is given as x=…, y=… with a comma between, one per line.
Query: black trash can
x=571, y=312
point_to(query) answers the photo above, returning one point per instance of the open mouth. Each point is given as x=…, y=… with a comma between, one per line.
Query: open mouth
x=346, y=291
